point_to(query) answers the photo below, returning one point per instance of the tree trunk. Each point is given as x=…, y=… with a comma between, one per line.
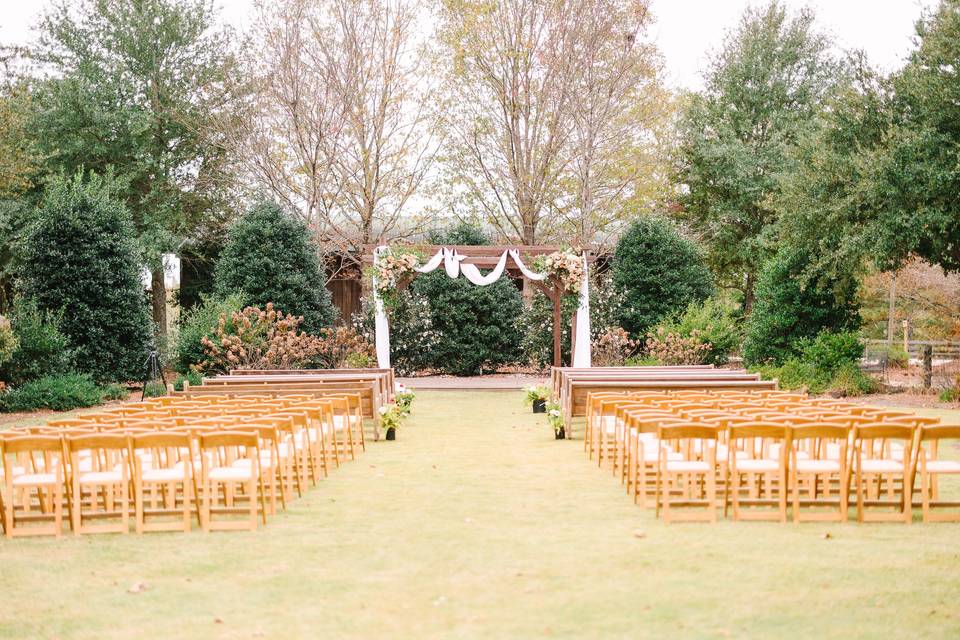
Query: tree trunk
x=748, y=296
x=892, y=310
x=158, y=301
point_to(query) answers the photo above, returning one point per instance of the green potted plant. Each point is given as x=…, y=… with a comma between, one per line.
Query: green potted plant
x=390, y=418
x=403, y=397
x=555, y=418
x=537, y=396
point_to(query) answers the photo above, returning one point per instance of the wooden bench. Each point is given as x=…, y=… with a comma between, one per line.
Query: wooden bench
x=381, y=380
x=557, y=374
x=370, y=399
x=577, y=388
x=390, y=383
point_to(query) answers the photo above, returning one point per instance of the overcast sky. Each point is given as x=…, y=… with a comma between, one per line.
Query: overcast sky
x=685, y=30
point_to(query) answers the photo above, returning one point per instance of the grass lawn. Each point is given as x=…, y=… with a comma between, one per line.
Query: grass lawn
x=476, y=523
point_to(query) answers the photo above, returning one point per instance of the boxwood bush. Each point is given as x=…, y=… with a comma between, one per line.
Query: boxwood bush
x=59, y=393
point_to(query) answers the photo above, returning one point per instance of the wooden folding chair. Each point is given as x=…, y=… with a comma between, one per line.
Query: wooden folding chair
x=765, y=471
x=218, y=451
x=931, y=467
x=693, y=477
x=823, y=473
x=33, y=467
x=100, y=480
x=874, y=465
x=163, y=464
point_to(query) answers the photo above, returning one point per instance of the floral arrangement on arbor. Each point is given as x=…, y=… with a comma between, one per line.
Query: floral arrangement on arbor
x=391, y=270
x=565, y=265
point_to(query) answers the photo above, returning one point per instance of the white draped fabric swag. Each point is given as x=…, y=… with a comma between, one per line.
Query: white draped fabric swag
x=452, y=262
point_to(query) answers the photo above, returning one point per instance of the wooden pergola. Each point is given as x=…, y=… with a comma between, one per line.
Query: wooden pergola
x=487, y=256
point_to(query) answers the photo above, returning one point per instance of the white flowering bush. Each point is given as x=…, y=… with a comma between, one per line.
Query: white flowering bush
x=413, y=336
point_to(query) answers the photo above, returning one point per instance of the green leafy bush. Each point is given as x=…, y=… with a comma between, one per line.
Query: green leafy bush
x=115, y=391
x=831, y=351
x=59, y=393
x=193, y=377
x=476, y=326
x=199, y=322
x=659, y=272
x=796, y=374
x=154, y=389
x=42, y=349
x=80, y=255
x=713, y=322
x=787, y=310
x=536, y=321
x=412, y=336
x=849, y=380
x=270, y=257
x=8, y=341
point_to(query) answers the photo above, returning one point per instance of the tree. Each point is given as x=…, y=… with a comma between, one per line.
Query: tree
x=788, y=311
x=134, y=88
x=878, y=179
x=270, y=257
x=762, y=91
x=79, y=258
x=338, y=129
x=658, y=272
x=477, y=326
x=548, y=107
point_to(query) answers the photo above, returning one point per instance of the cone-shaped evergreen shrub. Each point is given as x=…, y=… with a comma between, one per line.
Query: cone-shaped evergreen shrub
x=270, y=258
x=79, y=256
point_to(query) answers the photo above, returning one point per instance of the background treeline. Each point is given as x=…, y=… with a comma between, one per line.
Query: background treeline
x=800, y=195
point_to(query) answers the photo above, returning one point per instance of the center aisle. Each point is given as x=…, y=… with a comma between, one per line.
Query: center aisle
x=483, y=517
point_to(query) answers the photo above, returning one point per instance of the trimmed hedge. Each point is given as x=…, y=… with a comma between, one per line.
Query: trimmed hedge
x=59, y=393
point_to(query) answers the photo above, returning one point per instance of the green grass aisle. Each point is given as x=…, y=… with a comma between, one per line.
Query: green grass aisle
x=476, y=523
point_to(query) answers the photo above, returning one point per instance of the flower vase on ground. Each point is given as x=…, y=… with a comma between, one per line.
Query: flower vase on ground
x=539, y=406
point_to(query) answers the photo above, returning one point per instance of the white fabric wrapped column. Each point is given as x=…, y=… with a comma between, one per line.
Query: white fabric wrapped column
x=381, y=326
x=581, y=354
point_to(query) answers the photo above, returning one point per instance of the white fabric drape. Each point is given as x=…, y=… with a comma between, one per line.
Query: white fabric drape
x=452, y=262
x=581, y=353
x=381, y=326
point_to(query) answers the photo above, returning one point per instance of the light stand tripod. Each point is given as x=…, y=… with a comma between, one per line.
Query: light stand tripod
x=152, y=370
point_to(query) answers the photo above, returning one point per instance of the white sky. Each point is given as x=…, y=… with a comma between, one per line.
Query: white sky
x=685, y=30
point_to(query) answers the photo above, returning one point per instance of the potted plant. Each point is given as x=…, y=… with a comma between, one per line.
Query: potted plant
x=537, y=396
x=403, y=398
x=390, y=418
x=555, y=418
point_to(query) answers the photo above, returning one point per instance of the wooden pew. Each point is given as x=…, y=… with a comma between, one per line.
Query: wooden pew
x=382, y=380
x=390, y=384
x=575, y=402
x=370, y=398
x=557, y=374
